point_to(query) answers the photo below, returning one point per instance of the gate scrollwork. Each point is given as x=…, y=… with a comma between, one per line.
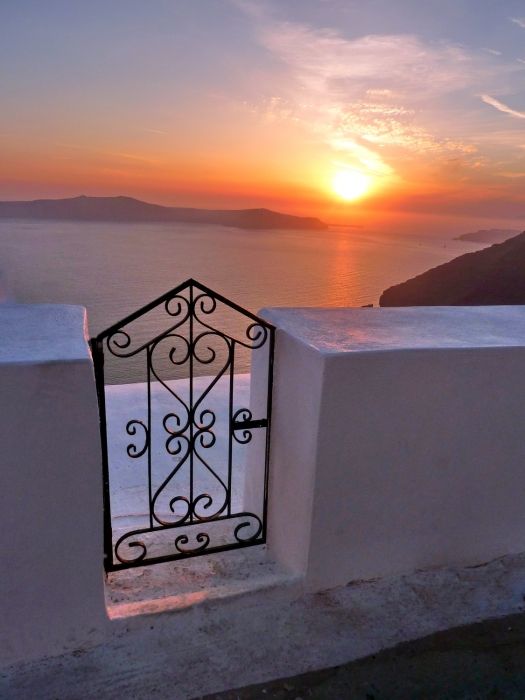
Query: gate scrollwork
x=185, y=519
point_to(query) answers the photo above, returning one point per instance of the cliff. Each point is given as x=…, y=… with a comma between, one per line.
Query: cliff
x=494, y=275
x=488, y=235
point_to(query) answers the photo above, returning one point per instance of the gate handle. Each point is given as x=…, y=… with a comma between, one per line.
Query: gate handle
x=248, y=424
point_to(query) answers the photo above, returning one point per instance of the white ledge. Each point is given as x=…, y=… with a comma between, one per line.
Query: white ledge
x=343, y=330
x=41, y=333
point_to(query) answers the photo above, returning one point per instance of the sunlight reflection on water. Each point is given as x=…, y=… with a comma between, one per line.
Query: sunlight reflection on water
x=113, y=269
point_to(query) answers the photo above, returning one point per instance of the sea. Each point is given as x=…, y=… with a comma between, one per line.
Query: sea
x=114, y=269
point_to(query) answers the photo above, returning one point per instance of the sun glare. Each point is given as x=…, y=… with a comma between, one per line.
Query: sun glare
x=350, y=184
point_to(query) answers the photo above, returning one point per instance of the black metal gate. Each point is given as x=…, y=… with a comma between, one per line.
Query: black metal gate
x=161, y=432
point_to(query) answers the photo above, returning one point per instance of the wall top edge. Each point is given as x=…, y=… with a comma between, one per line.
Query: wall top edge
x=352, y=330
x=41, y=333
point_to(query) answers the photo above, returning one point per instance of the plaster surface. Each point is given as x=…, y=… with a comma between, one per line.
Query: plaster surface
x=42, y=333
x=51, y=586
x=351, y=330
x=397, y=440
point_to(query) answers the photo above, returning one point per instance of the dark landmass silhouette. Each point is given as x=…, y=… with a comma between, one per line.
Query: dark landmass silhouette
x=130, y=210
x=494, y=275
x=488, y=235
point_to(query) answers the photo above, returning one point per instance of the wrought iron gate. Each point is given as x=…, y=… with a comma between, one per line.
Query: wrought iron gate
x=184, y=473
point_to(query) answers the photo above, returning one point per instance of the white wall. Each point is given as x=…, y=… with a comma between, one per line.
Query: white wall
x=297, y=392
x=51, y=584
x=397, y=440
x=397, y=444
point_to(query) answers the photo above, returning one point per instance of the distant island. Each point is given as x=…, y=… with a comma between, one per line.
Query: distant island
x=130, y=210
x=488, y=235
x=494, y=275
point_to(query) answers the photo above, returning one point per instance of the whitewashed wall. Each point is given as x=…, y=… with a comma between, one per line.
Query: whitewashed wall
x=51, y=583
x=397, y=444
x=398, y=440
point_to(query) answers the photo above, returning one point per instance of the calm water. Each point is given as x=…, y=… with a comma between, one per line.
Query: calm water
x=112, y=269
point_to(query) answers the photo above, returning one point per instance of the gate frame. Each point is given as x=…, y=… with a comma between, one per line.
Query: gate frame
x=97, y=350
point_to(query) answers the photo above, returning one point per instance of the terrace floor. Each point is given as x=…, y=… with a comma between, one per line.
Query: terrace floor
x=267, y=629
x=480, y=661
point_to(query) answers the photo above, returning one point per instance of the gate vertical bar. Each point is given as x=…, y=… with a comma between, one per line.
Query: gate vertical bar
x=98, y=364
x=268, y=428
x=230, y=426
x=191, y=416
x=149, y=436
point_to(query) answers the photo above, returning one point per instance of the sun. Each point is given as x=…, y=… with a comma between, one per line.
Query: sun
x=350, y=184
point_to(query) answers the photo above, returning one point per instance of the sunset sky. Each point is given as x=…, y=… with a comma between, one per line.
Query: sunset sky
x=241, y=103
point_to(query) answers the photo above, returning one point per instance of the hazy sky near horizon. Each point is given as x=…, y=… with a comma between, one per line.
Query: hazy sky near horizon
x=262, y=102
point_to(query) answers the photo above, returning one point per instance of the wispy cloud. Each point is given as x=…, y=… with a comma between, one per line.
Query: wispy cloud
x=323, y=59
x=501, y=107
x=520, y=21
x=102, y=152
x=390, y=104
x=364, y=96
